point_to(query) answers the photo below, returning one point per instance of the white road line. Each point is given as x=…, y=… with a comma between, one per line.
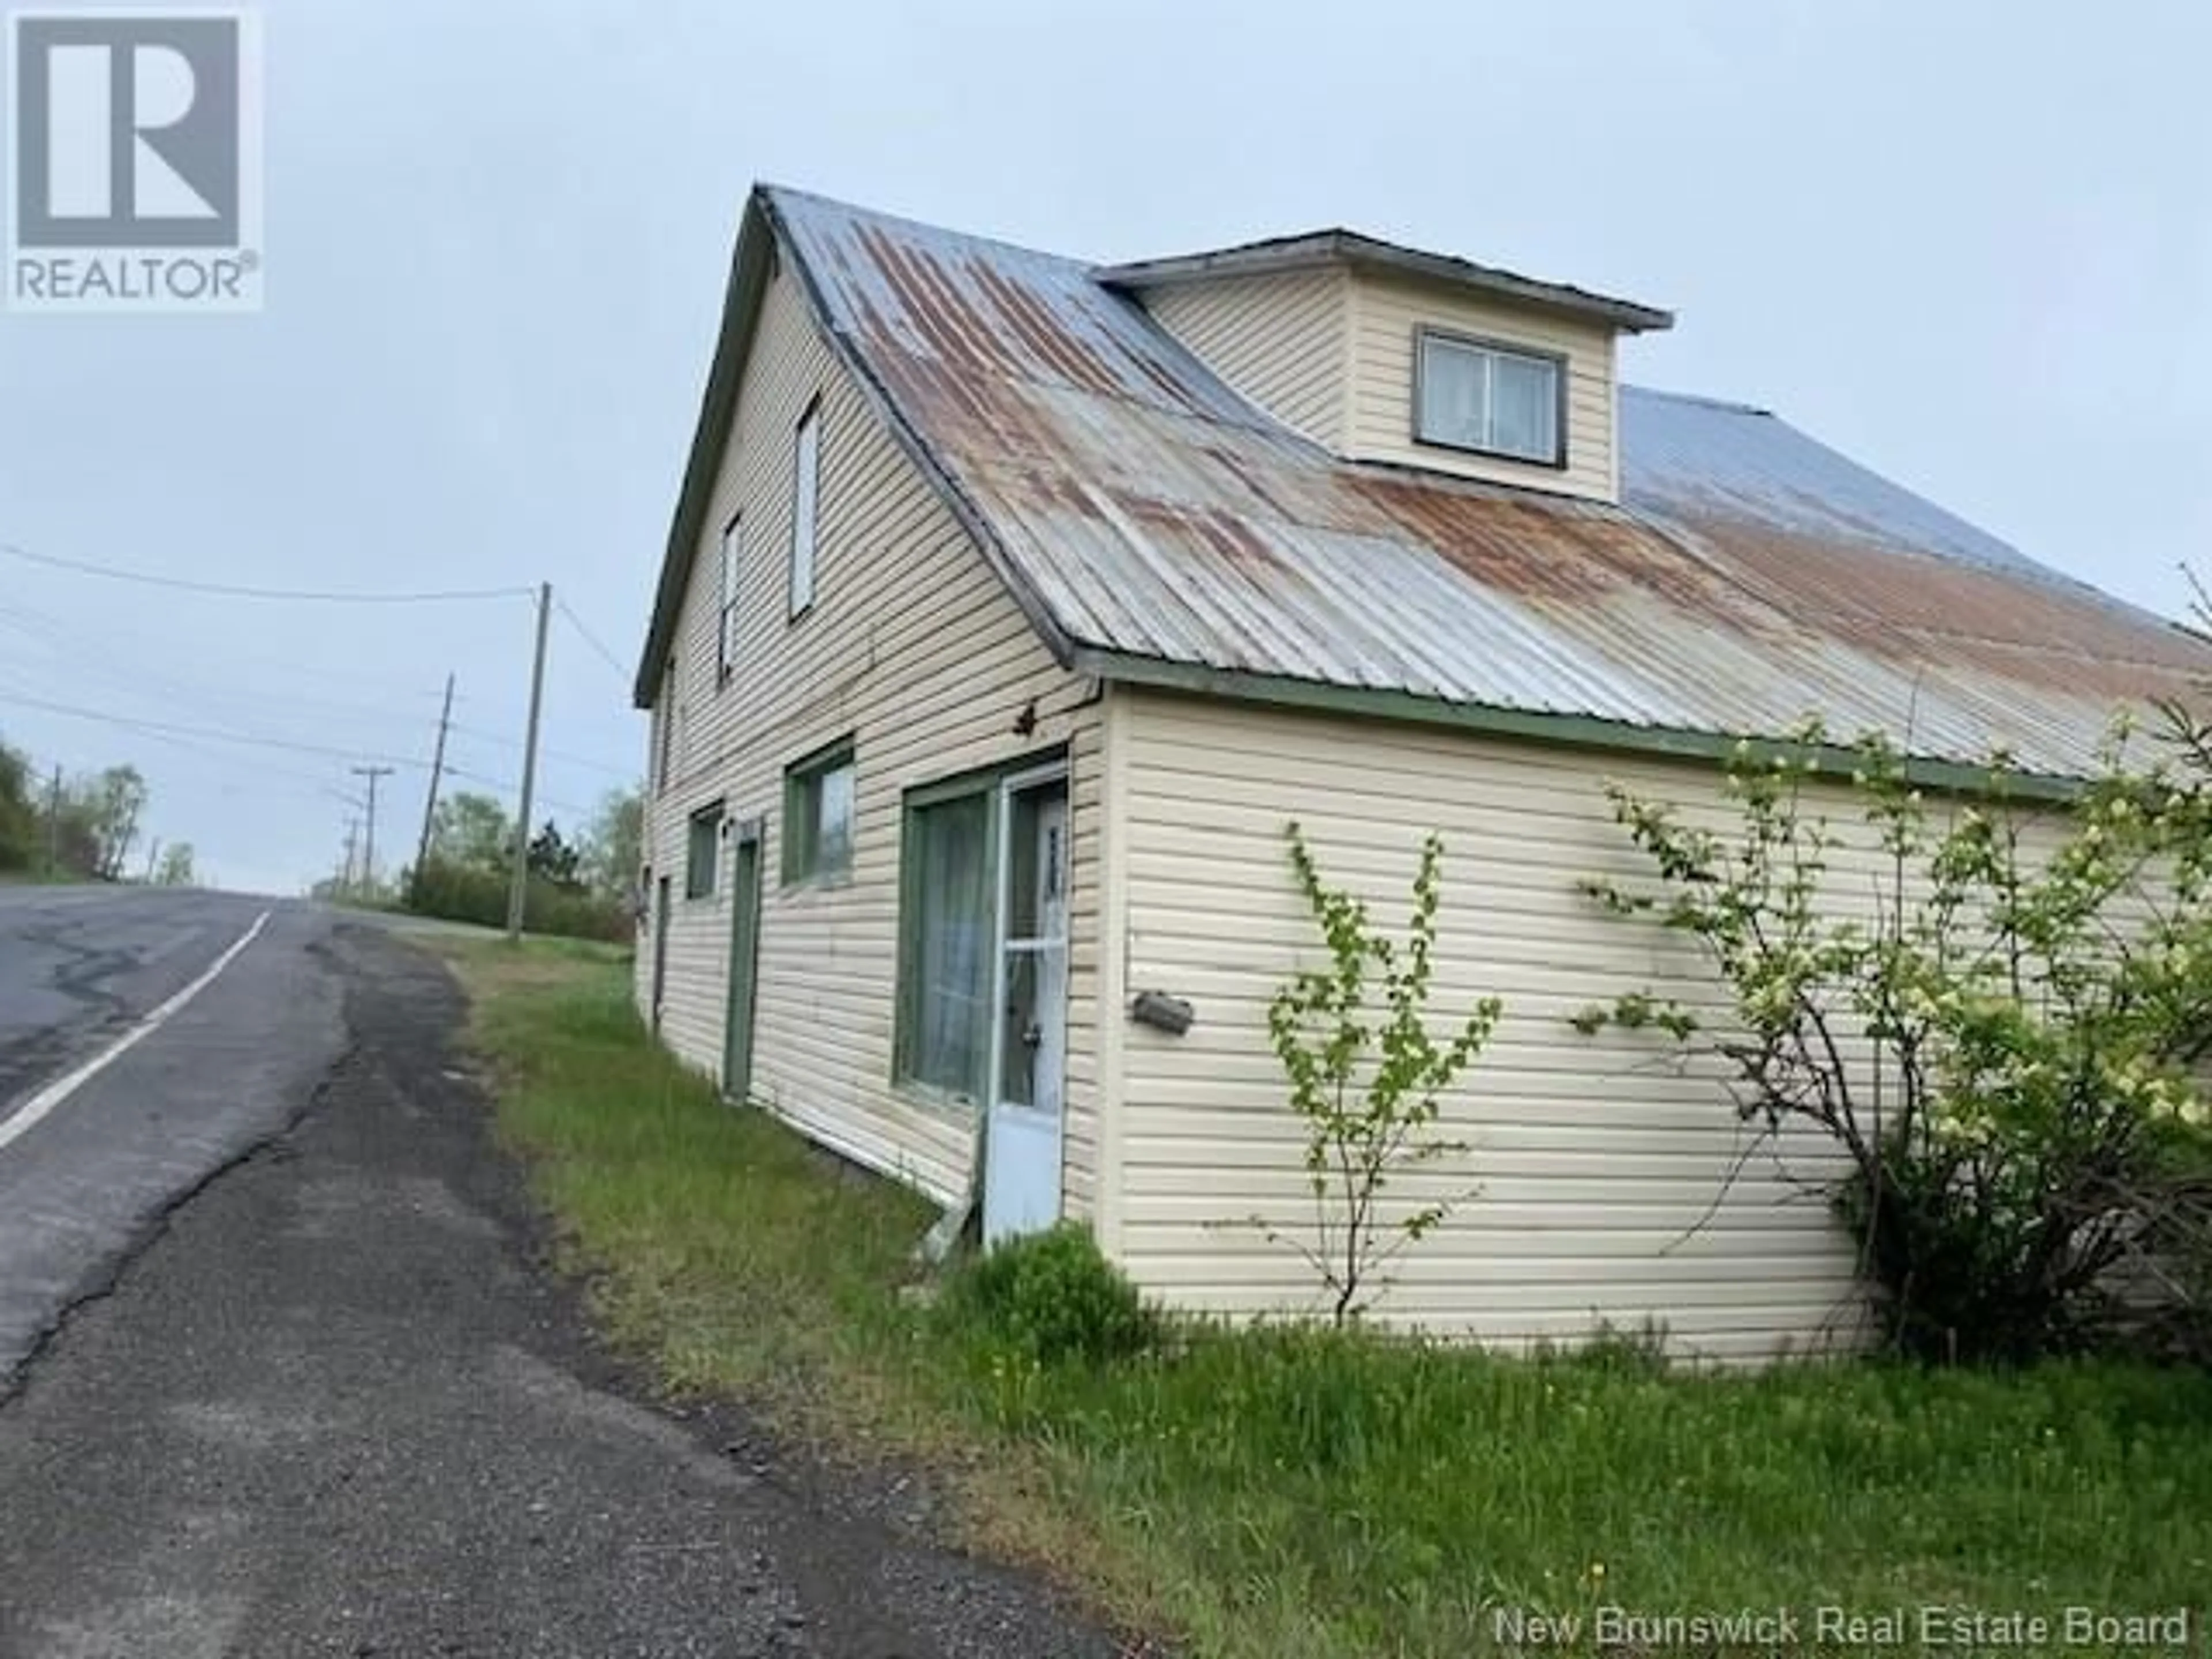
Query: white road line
x=27, y=1116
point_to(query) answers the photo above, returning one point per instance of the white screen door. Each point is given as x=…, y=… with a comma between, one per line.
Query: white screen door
x=1029, y=1068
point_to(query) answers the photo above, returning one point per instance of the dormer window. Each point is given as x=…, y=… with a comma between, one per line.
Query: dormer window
x=1489, y=399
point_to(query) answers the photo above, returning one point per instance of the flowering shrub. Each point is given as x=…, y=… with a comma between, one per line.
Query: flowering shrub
x=2005, y=1046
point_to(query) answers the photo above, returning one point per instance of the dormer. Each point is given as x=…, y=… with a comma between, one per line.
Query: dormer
x=1383, y=353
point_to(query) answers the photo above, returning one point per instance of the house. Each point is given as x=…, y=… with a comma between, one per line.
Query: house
x=1012, y=607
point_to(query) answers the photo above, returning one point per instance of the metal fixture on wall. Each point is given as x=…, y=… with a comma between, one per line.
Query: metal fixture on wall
x=1163, y=1013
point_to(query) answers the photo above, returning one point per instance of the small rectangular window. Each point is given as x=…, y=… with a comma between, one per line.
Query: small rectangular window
x=726, y=635
x=1470, y=394
x=805, y=494
x=817, y=816
x=704, y=853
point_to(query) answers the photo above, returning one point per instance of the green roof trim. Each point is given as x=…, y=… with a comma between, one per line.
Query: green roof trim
x=1568, y=730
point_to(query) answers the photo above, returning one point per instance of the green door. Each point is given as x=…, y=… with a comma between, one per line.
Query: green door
x=660, y=951
x=744, y=967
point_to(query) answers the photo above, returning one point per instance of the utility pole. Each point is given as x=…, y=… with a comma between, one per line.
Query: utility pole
x=519, y=887
x=430, y=796
x=345, y=875
x=54, y=824
x=368, y=858
x=152, y=853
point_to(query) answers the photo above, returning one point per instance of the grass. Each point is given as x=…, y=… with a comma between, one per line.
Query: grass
x=1289, y=1492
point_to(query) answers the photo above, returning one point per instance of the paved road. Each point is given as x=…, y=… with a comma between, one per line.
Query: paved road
x=328, y=1400
x=79, y=968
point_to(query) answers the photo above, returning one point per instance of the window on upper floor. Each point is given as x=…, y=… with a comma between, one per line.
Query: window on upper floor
x=665, y=714
x=817, y=816
x=805, y=496
x=703, y=852
x=726, y=635
x=1492, y=398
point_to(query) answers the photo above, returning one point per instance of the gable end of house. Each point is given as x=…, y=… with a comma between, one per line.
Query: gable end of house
x=764, y=246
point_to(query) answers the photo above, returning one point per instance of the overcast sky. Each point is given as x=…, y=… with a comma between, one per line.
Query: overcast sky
x=1968, y=244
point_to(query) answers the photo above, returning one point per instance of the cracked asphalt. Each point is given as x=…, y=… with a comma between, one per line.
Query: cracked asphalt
x=78, y=968
x=291, y=1377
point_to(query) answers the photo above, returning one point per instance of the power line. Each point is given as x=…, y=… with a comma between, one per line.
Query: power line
x=234, y=591
x=84, y=652
x=169, y=728
x=482, y=736
x=81, y=653
x=110, y=632
x=592, y=640
x=507, y=788
x=173, y=729
x=261, y=772
x=107, y=634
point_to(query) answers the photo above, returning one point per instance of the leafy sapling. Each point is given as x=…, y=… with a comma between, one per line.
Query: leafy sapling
x=1365, y=1075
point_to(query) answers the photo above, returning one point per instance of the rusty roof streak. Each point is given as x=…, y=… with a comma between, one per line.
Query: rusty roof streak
x=920, y=309
x=1071, y=357
x=1749, y=577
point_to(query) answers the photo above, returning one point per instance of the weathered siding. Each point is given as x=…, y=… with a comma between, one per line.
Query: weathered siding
x=1599, y=1168
x=1115, y=990
x=1279, y=340
x=913, y=648
x=1385, y=313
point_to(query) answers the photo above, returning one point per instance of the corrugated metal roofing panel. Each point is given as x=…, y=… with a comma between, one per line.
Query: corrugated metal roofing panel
x=1751, y=577
x=1698, y=456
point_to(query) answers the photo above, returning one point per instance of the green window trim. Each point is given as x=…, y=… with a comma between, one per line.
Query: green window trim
x=809, y=858
x=703, y=852
x=908, y=995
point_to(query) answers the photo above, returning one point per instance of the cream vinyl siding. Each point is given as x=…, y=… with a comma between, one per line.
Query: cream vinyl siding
x=1599, y=1168
x=1280, y=340
x=912, y=648
x=1384, y=314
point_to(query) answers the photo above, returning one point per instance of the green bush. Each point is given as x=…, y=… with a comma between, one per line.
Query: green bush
x=459, y=892
x=1053, y=1296
x=19, y=825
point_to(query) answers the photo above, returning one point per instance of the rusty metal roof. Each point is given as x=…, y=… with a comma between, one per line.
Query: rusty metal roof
x=1154, y=525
